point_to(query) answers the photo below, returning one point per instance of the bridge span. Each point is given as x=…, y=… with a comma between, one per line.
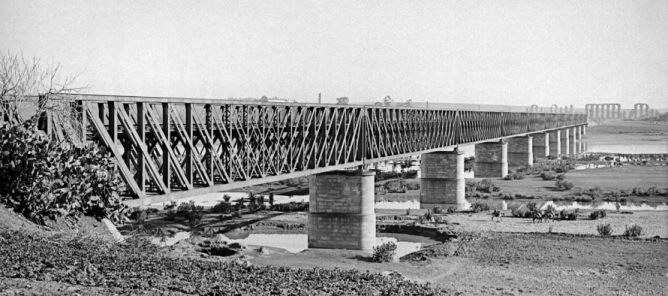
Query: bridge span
x=169, y=148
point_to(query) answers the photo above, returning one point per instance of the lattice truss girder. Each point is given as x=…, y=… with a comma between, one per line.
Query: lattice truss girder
x=161, y=147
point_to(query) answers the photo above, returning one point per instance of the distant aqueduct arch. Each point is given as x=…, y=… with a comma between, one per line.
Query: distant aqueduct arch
x=553, y=109
x=609, y=110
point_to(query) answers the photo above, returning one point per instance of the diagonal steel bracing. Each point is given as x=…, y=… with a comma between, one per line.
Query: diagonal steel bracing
x=197, y=146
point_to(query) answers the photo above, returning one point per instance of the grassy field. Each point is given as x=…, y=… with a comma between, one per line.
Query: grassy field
x=608, y=179
x=628, y=133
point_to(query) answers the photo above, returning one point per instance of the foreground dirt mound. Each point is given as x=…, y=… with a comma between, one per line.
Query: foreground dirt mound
x=10, y=221
x=84, y=225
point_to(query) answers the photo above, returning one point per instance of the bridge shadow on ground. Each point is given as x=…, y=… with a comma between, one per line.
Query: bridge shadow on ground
x=211, y=223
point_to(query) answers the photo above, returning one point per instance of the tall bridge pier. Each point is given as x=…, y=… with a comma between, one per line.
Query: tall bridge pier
x=541, y=145
x=491, y=159
x=442, y=180
x=555, y=143
x=341, y=210
x=520, y=151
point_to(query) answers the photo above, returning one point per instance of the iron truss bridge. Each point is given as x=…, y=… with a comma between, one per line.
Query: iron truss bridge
x=168, y=148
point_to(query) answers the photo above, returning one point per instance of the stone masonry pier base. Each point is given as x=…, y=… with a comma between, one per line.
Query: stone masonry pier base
x=555, y=143
x=541, y=145
x=520, y=151
x=491, y=159
x=341, y=210
x=442, y=180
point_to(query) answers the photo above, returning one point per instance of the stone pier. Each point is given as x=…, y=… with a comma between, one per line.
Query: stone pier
x=442, y=180
x=520, y=151
x=541, y=145
x=341, y=210
x=491, y=159
x=565, y=142
x=555, y=143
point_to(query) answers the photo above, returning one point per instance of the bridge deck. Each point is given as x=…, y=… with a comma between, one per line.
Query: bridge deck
x=170, y=147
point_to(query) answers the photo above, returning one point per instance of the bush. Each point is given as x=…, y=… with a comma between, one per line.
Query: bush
x=561, y=177
x=548, y=176
x=563, y=215
x=451, y=210
x=633, y=231
x=486, y=185
x=477, y=207
x=291, y=207
x=396, y=186
x=564, y=185
x=226, y=198
x=519, y=212
x=437, y=210
x=594, y=192
x=602, y=213
x=532, y=206
x=515, y=176
x=604, y=229
x=413, y=185
x=594, y=215
x=222, y=207
x=42, y=179
x=384, y=252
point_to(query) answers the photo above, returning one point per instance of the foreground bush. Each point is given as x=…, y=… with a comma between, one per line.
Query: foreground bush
x=633, y=231
x=384, y=252
x=133, y=269
x=42, y=179
x=604, y=229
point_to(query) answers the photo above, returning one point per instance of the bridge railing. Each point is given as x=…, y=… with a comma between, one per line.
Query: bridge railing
x=166, y=145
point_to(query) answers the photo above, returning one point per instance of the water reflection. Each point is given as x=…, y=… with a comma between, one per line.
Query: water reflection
x=628, y=148
x=295, y=243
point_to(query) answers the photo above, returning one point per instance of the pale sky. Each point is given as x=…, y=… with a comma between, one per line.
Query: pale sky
x=518, y=52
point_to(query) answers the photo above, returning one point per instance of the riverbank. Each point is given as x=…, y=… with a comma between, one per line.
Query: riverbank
x=632, y=137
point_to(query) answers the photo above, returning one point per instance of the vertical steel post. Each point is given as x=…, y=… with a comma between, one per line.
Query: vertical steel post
x=189, y=135
x=166, y=129
x=127, y=146
x=141, y=130
x=208, y=121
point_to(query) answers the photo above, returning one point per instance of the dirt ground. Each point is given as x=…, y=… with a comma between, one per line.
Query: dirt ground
x=518, y=257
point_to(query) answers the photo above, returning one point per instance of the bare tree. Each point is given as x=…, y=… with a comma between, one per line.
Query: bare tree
x=26, y=86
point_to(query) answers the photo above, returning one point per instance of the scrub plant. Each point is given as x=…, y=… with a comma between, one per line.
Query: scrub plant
x=384, y=252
